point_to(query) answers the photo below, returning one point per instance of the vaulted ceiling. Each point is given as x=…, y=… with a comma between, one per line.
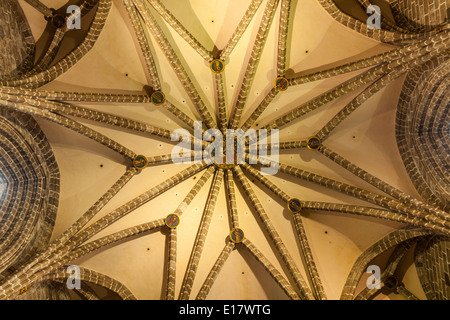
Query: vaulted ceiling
x=88, y=177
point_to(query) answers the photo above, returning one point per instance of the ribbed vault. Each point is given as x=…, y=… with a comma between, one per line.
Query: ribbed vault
x=221, y=230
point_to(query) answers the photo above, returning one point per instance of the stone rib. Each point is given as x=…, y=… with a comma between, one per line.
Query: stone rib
x=394, y=238
x=171, y=264
x=144, y=44
x=260, y=109
x=243, y=24
x=111, y=239
x=200, y=239
x=195, y=190
x=50, y=54
x=252, y=65
x=42, y=8
x=273, y=272
x=231, y=197
x=95, y=278
x=72, y=58
x=377, y=199
x=305, y=249
x=181, y=30
x=175, y=63
x=378, y=183
x=209, y=281
x=138, y=202
x=350, y=85
x=70, y=124
x=283, y=36
x=221, y=102
x=184, y=118
x=274, y=236
x=61, y=241
x=85, y=113
x=378, y=85
x=78, y=96
x=374, y=212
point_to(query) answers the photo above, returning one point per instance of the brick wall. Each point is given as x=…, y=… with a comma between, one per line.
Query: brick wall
x=420, y=13
x=17, y=44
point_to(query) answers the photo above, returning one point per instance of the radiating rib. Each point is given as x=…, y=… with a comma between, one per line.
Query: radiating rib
x=376, y=213
x=298, y=224
x=351, y=85
x=260, y=109
x=255, y=56
x=199, y=242
x=138, y=202
x=70, y=124
x=209, y=281
x=85, y=291
x=358, y=65
x=181, y=30
x=80, y=223
x=380, y=200
x=85, y=113
x=184, y=118
x=273, y=272
x=78, y=96
x=195, y=190
x=266, y=182
x=283, y=145
x=221, y=102
x=143, y=43
x=377, y=86
x=380, y=184
x=49, y=265
x=111, y=239
x=283, y=36
x=243, y=24
x=175, y=63
x=231, y=197
x=306, y=252
x=279, y=245
x=172, y=264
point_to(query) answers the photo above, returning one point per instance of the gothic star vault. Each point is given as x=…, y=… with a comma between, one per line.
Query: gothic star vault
x=210, y=215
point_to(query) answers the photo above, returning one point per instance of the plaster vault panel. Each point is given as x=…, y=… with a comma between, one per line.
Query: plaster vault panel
x=367, y=137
